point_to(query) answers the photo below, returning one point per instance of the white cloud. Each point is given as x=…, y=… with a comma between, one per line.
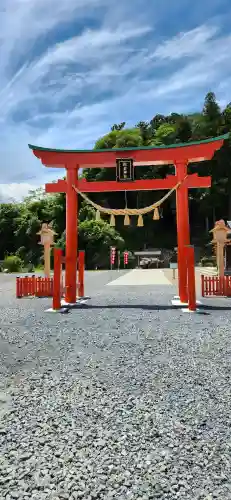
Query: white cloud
x=59, y=90
x=15, y=191
x=23, y=21
x=192, y=43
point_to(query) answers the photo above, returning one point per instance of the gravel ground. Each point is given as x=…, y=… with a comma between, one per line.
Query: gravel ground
x=123, y=398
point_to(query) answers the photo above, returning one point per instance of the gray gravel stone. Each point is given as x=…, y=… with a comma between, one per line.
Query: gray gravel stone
x=123, y=398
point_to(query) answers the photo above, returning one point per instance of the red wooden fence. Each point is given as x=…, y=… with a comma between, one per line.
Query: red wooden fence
x=215, y=286
x=34, y=286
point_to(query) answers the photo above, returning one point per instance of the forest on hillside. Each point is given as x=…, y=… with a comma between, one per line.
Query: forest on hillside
x=20, y=222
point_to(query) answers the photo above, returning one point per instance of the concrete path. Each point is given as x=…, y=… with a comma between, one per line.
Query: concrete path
x=138, y=277
x=207, y=271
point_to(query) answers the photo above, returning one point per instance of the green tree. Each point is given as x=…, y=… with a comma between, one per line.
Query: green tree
x=28, y=225
x=108, y=141
x=211, y=110
x=165, y=134
x=128, y=137
x=212, y=115
x=183, y=130
x=9, y=214
x=145, y=132
x=119, y=126
x=96, y=238
x=226, y=119
x=157, y=121
x=86, y=212
x=174, y=118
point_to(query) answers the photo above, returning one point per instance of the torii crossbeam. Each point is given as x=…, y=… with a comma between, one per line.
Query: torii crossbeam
x=179, y=155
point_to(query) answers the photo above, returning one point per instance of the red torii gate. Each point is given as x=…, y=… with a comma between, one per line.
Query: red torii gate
x=178, y=154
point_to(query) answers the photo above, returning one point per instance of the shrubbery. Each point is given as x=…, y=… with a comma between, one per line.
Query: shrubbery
x=12, y=263
x=209, y=261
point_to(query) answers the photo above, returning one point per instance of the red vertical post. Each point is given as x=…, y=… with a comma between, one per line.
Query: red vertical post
x=26, y=286
x=224, y=286
x=202, y=285
x=81, y=262
x=190, y=259
x=40, y=286
x=57, y=278
x=71, y=235
x=37, y=287
x=33, y=285
x=183, y=230
x=18, y=291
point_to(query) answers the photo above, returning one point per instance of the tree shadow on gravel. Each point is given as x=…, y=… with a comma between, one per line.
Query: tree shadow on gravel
x=202, y=308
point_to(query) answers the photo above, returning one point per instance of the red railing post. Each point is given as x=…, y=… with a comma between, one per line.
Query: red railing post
x=25, y=287
x=31, y=291
x=18, y=288
x=46, y=287
x=81, y=263
x=228, y=286
x=202, y=285
x=33, y=285
x=51, y=287
x=38, y=287
x=205, y=286
x=209, y=285
x=57, y=278
x=190, y=259
x=28, y=285
x=215, y=286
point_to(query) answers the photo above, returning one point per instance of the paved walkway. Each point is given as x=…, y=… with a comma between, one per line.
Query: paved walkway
x=142, y=277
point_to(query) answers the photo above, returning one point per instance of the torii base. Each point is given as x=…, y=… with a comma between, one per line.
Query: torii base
x=187, y=310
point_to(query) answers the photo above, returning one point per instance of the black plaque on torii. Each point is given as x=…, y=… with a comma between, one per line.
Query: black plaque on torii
x=124, y=169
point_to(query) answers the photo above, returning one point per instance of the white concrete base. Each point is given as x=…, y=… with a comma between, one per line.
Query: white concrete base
x=186, y=310
x=177, y=302
x=77, y=303
x=65, y=305
x=50, y=310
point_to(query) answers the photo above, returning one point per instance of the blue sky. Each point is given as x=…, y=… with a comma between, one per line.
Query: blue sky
x=71, y=69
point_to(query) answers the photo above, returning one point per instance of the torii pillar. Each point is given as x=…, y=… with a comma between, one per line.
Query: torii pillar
x=71, y=235
x=178, y=154
x=183, y=228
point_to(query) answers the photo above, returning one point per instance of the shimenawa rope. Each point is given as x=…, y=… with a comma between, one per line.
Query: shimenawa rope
x=129, y=211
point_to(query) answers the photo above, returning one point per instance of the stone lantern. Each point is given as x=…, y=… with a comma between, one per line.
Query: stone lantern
x=47, y=240
x=220, y=232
